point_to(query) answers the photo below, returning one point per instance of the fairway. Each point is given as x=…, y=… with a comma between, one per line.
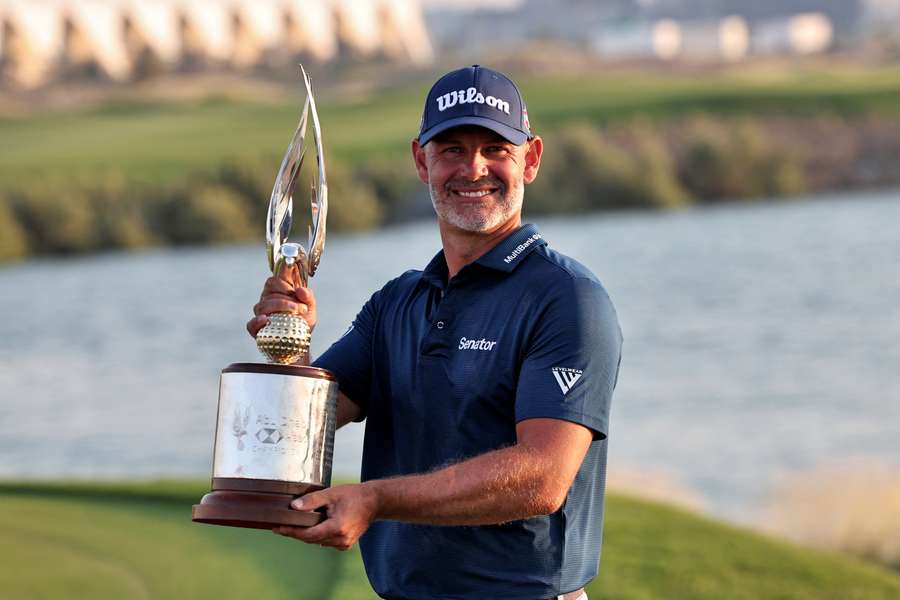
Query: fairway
x=83, y=547
x=137, y=541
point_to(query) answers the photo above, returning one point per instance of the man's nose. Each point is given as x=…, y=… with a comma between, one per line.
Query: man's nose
x=474, y=166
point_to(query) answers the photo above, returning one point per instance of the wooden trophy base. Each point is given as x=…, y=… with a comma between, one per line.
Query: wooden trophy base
x=254, y=503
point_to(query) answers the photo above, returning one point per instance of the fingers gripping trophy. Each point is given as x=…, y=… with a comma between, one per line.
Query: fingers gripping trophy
x=276, y=421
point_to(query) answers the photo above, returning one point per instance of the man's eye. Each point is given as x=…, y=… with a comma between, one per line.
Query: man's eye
x=453, y=149
x=496, y=150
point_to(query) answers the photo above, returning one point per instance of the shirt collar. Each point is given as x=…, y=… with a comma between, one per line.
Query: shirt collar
x=505, y=256
x=436, y=272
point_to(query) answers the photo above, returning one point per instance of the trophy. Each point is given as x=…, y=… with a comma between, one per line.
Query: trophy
x=276, y=421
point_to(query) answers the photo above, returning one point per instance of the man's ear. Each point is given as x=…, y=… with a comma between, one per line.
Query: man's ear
x=533, y=153
x=418, y=152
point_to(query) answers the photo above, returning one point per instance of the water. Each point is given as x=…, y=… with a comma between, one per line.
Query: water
x=759, y=341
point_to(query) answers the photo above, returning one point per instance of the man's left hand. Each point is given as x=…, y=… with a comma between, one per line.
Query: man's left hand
x=350, y=509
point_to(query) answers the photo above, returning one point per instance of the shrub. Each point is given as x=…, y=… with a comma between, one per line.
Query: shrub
x=58, y=219
x=722, y=161
x=252, y=179
x=119, y=208
x=582, y=172
x=655, y=169
x=397, y=189
x=352, y=204
x=585, y=168
x=13, y=241
x=208, y=214
x=706, y=167
x=783, y=175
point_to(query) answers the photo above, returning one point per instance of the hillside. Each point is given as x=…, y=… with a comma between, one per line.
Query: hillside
x=166, y=141
x=143, y=171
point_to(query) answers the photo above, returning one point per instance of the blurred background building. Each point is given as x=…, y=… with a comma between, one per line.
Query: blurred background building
x=122, y=40
x=688, y=30
x=42, y=40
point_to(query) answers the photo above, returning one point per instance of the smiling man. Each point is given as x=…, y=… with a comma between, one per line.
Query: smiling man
x=485, y=381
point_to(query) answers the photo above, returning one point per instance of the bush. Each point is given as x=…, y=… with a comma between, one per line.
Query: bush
x=13, y=241
x=583, y=172
x=352, y=204
x=707, y=167
x=58, y=216
x=722, y=161
x=252, y=179
x=225, y=205
x=585, y=168
x=655, y=170
x=119, y=209
x=57, y=219
x=208, y=214
x=397, y=189
x=783, y=175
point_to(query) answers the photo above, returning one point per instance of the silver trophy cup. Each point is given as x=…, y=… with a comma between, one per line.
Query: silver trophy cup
x=276, y=421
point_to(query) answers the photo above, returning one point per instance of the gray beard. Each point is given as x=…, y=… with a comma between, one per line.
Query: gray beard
x=446, y=211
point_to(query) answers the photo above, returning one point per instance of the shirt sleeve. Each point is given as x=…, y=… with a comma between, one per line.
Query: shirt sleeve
x=350, y=357
x=572, y=360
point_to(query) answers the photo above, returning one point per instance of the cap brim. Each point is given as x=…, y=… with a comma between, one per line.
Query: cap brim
x=510, y=134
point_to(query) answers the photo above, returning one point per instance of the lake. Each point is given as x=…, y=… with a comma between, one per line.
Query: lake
x=760, y=341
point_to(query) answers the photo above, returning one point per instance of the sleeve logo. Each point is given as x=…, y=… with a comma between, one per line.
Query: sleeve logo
x=566, y=378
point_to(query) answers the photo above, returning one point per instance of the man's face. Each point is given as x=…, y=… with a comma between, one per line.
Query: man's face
x=476, y=177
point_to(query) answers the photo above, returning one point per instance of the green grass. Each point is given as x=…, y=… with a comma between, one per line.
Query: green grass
x=168, y=141
x=82, y=540
x=651, y=551
x=136, y=542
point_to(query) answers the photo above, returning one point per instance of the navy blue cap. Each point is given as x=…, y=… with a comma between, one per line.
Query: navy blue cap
x=479, y=96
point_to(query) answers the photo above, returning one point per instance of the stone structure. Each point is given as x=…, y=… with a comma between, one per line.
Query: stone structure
x=44, y=39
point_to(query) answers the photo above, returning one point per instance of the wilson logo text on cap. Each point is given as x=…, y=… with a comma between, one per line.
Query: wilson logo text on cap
x=470, y=96
x=566, y=378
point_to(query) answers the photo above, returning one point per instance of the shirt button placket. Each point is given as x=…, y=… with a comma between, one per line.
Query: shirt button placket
x=436, y=343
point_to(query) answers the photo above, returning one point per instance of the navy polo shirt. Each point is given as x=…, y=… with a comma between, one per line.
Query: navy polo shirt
x=443, y=371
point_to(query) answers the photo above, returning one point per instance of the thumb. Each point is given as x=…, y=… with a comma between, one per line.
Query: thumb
x=310, y=501
x=290, y=274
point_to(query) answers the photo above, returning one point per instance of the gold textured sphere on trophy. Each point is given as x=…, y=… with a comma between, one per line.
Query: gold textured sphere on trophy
x=285, y=339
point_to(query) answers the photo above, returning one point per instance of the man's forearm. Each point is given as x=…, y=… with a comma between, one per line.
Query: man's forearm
x=496, y=487
x=347, y=410
x=531, y=478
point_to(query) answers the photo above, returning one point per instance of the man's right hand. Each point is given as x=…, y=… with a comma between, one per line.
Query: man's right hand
x=282, y=296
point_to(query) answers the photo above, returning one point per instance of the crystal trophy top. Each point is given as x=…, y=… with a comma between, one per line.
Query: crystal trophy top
x=285, y=339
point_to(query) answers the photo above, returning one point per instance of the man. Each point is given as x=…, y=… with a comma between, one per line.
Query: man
x=485, y=381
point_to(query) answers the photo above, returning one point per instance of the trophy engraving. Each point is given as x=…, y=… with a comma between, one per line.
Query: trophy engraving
x=239, y=427
x=276, y=421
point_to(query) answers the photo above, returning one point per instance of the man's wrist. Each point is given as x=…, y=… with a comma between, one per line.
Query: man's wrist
x=376, y=497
